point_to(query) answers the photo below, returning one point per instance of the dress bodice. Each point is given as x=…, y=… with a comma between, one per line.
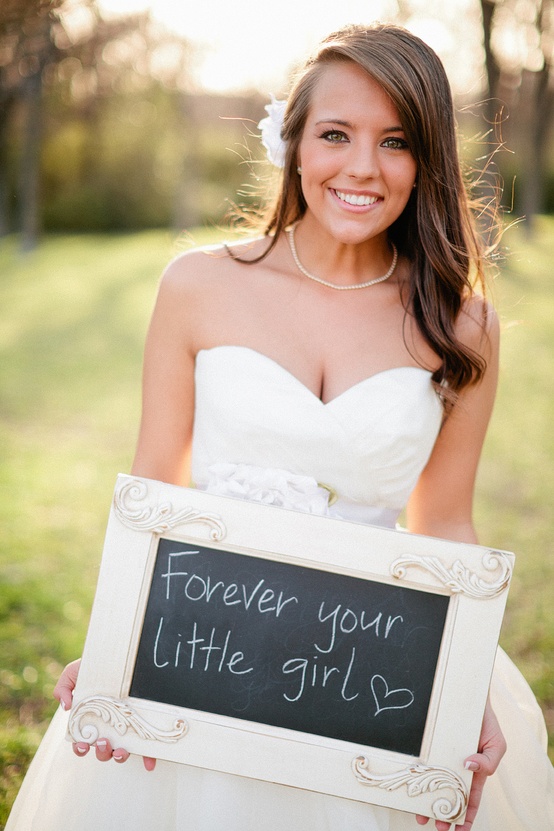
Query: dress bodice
x=368, y=444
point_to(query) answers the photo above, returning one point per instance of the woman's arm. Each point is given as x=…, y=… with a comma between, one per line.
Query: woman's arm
x=442, y=503
x=165, y=435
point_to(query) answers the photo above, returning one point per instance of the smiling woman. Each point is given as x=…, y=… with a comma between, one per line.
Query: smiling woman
x=347, y=345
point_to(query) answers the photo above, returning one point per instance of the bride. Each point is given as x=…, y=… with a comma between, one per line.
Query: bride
x=348, y=344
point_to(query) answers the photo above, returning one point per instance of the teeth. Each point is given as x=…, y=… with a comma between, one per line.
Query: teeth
x=352, y=199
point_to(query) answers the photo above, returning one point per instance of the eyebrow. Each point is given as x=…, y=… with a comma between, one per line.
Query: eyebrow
x=394, y=129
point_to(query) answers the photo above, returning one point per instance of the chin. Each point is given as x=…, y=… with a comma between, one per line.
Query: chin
x=354, y=235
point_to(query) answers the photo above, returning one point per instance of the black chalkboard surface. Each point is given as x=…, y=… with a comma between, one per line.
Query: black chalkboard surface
x=290, y=646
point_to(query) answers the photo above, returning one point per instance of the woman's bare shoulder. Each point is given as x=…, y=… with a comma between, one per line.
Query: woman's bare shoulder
x=201, y=269
x=205, y=294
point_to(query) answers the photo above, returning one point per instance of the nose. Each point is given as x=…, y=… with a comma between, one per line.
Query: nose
x=362, y=161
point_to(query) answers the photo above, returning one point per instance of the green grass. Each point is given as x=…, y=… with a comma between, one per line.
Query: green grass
x=74, y=316
x=71, y=337
x=515, y=491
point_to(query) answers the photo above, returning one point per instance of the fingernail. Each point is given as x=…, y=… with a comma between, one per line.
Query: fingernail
x=119, y=757
x=474, y=766
x=62, y=703
x=80, y=749
x=101, y=744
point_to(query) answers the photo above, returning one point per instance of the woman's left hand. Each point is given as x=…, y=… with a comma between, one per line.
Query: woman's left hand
x=63, y=691
x=492, y=747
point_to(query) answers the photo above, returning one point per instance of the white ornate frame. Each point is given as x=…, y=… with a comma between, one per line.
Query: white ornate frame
x=434, y=784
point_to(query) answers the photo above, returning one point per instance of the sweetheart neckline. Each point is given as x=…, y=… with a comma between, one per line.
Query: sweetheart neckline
x=281, y=368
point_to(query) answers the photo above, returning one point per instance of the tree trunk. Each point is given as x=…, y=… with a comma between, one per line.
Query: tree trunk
x=187, y=212
x=537, y=99
x=537, y=105
x=5, y=112
x=491, y=66
x=488, y=191
x=30, y=163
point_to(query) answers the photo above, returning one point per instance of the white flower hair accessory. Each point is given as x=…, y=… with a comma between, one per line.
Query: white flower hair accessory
x=270, y=128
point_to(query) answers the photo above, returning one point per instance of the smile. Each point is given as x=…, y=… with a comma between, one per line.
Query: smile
x=353, y=199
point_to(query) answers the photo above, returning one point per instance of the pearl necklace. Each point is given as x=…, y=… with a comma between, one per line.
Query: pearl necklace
x=290, y=236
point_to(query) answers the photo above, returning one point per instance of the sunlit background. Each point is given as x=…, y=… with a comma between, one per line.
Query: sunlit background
x=253, y=44
x=126, y=114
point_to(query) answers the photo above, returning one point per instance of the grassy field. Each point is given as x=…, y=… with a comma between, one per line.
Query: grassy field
x=74, y=316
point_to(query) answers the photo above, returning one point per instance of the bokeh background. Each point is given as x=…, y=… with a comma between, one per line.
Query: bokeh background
x=128, y=132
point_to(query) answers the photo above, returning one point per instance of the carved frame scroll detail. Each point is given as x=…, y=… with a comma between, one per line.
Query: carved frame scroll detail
x=132, y=507
x=458, y=578
x=122, y=717
x=419, y=779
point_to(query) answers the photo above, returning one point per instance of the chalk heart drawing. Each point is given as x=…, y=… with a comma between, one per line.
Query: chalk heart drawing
x=386, y=699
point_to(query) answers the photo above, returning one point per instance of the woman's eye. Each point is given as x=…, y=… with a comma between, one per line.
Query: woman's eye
x=395, y=144
x=334, y=136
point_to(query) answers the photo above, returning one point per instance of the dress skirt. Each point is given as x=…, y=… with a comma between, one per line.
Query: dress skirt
x=62, y=791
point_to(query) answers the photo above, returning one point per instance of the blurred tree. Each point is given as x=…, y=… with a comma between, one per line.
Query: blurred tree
x=519, y=50
x=64, y=51
x=25, y=48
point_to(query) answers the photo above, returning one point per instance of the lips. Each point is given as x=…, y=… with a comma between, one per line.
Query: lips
x=358, y=200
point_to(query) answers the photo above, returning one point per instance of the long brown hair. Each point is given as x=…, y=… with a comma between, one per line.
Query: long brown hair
x=436, y=230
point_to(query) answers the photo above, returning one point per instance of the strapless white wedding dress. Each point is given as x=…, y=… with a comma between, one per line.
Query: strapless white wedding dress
x=256, y=421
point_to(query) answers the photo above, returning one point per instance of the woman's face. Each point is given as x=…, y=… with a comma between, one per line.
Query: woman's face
x=357, y=168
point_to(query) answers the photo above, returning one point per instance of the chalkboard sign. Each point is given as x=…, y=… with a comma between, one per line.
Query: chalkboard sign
x=291, y=648
x=295, y=647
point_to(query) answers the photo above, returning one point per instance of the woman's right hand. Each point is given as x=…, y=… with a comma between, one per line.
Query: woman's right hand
x=63, y=692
